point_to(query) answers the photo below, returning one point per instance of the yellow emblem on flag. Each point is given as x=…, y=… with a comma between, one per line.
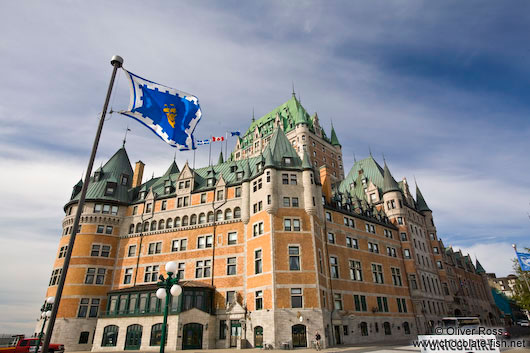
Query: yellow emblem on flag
x=171, y=113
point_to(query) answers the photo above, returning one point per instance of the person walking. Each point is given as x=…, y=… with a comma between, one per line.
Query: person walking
x=317, y=341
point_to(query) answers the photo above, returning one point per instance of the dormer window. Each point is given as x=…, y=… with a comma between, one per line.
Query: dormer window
x=167, y=190
x=110, y=189
x=239, y=175
x=143, y=194
x=233, y=168
x=210, y=182
x=259, y=167
x=187, y=184
x=124, y=179
x=287, y=161
x=97, y=176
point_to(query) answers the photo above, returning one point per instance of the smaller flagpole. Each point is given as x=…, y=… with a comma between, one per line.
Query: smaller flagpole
x=195, y=149
x=210, y=152
x=523, y=274
x=226, y=146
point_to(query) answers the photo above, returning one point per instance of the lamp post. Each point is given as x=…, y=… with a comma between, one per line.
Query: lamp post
x=45, y=314
x=168, y=287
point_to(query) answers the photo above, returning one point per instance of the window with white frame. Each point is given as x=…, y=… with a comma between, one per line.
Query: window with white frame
x=257, y=229
x=377, y=273
x=396, y=276
x=154, y=248
x=373, y=247
x=259, y=299
x=334, y=264
x=179, y=245
x=232, y=238
x=356, y=271
x=294, y=258
x=352, y=243
x=258, y=261
x=296, y=298
x=231, y=264
x=203, y=268
x=151, y=273
x=128, y=275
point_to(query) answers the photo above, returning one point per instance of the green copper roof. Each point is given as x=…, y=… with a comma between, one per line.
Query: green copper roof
x=421, y=205
x=367, y=169
x=479, y=268
x=389, y=183
x=288, y=112
x=173, y=168
x=306, y=163
x=111, y=172
x=334, y=139
x=268, y=157
x=281, y=148
x=221, y=159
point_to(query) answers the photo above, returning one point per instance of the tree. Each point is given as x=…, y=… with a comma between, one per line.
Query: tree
x=522, y=292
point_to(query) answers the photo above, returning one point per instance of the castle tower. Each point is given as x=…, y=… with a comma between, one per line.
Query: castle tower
x=91, y=269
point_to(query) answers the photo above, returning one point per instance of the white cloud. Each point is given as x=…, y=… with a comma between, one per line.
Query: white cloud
x=495, y=257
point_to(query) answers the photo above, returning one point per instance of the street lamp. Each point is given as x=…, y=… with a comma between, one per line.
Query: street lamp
x=46, y=312
x=168, y=287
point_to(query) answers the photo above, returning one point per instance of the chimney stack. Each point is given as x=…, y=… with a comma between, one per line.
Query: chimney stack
x=138, y=174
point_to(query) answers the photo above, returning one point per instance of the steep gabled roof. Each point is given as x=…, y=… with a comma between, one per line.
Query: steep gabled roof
x=479, y=268
x=389, y=183
x=334, y=138
x=281, y=147
x=366, y=168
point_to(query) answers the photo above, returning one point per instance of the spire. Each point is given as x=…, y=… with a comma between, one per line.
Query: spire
x=246, y=170
x=221, y=159
x=294, y=94
x=334, y=139
x=173, y=168
x=300, y=114
x=420, y=201
x=389, y=183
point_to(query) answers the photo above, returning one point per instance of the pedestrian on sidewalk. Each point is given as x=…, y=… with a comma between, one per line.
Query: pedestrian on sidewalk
x=317, y=340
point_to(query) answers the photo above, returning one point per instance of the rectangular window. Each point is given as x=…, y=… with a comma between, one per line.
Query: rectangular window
x=403, y=236
x=203, y=268
x=328, y=216
x=373, y=247
x=135, y=210
x=406, y=253
x=294, y=202
x=331, y=238
x=285, y=179
x=154, y=248
x=203, y=198
x=132, y=251
x=337, y=300
x=334, y=263
x=231, y=266
x=180, y=270
x=97, y=207
x=388, y=233
x=402, y=305
x=296, y=225
x=83, y=307
x=286, y=202
x=151, y=274
x=106, y=209
x=232, y=238
x=257, y=229
x=396, y=276
x=352, y=243
x=320, y=265
x=293, y=179
x=163, y=206
x=238, y=192
x=105, y=251
x=62, y=251
x=100, y=277
x=259, y=300
x=95, y=250
x=100, y=229
x=377, y=273
x=400, y=220
x=220, y=195
x=356, y=271
x=296, y=298
x=108, y=230
x=128, y=276
x=382, y=304
x=114, y=210
x=222, y=329
x=258, y=264
x=230, y=297
x=360, y=302
x=294, y=258
x=439, y=264
x=148, y=208
x=90, y=274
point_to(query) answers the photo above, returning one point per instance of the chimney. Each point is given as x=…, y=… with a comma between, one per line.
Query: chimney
x=138, y=174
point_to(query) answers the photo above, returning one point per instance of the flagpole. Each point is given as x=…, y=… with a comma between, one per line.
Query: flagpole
x=210, y=152
x=522, y=274
x=226, y=146
x=116, y=62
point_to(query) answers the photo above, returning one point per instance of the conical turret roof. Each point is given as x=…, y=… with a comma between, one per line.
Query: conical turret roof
x=334, y=138
x=173, y=168
x=389, y=183
x=479, y=268
x=306, y=162
x=221, y=159
x=420, y=201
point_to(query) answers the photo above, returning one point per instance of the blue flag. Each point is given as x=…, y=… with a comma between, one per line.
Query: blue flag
x=524, y=261
x=236, y=133
x=171, y=114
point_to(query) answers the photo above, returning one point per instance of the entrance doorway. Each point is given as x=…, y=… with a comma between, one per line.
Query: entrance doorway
x=192, y=336
x=299, y=336
x=258, y=337
x=336, y=330
x=133, y=338
x=235, y=332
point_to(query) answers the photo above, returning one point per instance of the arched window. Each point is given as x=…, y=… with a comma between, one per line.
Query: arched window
x=193, y=219
x=406, y=328
x=110, y=336
x=131, y=229
x=138, y=227
x=177, y=222
x=237, y=213
x=146, y=226
x=202, y=218
x=210, y=216
x=161, y=224
x=185, y=221
x=364, y=329
x=153, y=225
x=169, y=223
x=228, y=214
x=219, y=215
x=133, y=338
x=156, y=335
x=386, y=328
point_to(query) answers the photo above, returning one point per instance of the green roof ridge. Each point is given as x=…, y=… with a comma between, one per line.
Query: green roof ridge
x=306, y=162
x=173, y=169
x=420, y=201
x=389, y=183
x=479, y=268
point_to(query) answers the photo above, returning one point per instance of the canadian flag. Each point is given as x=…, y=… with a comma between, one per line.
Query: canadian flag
x=215, y=139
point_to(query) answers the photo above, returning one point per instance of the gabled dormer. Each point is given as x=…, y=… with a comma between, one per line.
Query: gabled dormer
x=185, y=181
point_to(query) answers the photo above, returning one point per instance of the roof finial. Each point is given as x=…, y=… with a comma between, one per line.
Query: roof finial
x=294, y=94
x=370, y=150
x=125, y=137
x=384, y=160
x=354, y=158
x=415, y=180
x=175, y=156
x=253, y=118
x=153, y=176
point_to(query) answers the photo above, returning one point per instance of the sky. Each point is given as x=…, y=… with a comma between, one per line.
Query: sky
x=439, y=88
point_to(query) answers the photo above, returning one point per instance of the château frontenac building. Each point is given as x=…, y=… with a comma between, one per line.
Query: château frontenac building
x=272, y=245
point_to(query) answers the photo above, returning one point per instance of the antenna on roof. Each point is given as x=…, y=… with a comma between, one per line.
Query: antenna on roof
x=125, y=137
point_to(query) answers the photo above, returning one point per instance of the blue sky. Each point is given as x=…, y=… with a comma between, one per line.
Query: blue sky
x=439, y=87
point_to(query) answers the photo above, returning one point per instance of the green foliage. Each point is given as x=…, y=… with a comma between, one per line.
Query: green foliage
x=522, y=292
